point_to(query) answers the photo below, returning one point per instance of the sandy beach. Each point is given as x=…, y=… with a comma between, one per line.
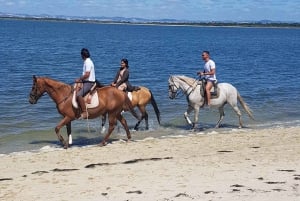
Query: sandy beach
x=244, y=165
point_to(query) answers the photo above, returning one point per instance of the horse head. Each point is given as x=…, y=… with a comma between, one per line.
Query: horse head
x=36, y=91
x=173, y=87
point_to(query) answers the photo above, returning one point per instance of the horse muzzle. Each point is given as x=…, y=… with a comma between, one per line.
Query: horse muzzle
x=33, y=99
x=172, y=95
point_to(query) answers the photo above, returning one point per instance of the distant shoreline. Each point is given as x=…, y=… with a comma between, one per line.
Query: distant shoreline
x=204, y=24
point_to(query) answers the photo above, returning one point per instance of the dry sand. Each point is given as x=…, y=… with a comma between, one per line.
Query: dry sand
x=245, y=165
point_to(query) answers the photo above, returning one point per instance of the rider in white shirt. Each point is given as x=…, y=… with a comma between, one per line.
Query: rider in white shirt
x=209, y=73
x=88, y=79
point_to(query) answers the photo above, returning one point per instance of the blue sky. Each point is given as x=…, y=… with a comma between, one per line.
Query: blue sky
x=200, y=10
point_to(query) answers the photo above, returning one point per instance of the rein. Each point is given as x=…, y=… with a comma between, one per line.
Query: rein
x=190, y=86
x=66, y=97
x=54, y=90
x=174, y=85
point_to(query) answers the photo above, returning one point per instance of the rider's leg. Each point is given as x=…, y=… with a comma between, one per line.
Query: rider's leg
x=81, y=102
x=208, y=87
x=122, y=87
x=85, y=89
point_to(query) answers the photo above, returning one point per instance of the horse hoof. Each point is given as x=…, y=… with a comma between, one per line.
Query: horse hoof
x=102, y=144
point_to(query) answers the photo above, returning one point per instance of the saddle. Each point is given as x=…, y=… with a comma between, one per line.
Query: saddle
x=131, y=88
x=129, y=92
x=91, y=98
x=214, y=92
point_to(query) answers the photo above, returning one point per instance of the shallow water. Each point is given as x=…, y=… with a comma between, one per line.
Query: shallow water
x=262, y=63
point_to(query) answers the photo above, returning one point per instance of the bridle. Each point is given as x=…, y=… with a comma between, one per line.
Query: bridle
x=173, y=89
x=36, y=93
x=175, y=92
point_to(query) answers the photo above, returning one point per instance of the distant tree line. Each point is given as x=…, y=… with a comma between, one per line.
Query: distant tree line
x=226, y=24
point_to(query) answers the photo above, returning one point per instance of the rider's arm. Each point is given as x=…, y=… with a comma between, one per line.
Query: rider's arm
x=115, y=79
x=211, y=72
x=83, y=77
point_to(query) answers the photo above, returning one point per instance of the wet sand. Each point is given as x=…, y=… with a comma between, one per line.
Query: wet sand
x=244, y=165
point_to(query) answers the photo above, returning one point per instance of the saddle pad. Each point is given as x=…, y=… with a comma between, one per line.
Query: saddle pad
x=211, y=92
x=129, y=94
x=94, y=101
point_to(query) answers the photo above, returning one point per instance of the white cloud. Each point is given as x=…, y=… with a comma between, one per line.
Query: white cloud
x=158, y=9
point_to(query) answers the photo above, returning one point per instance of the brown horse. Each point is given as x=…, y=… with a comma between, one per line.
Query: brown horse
x=111, y=101
x=140, y=99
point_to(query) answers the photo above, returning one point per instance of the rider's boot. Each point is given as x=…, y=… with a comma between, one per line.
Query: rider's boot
x=81, y=102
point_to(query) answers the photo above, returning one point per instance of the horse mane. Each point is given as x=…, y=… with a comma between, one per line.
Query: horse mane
x=51, y=80
x=190, y=81
x=55, y=83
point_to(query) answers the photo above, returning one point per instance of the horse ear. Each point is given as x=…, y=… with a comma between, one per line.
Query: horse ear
x=34, y=78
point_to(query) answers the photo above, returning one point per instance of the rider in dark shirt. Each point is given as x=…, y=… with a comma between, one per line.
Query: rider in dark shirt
x=121, y=80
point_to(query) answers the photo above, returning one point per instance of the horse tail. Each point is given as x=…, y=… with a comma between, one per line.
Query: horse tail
x=154, y=105
x=127, y=106
x=245, y=106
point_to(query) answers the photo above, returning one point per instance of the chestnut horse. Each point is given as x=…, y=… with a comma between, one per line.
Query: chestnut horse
x=140, y=99
x=111, y=101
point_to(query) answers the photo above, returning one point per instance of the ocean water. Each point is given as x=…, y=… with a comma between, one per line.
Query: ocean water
x=262, y=63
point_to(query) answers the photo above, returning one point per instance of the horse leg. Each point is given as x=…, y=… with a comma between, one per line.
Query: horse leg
x=195, y=124
x=136, y=127
x=124, y=124
x=103, y=121
x=146, y=121
x=69, y=131
x=62, y=123
x=232, y=101
x=238, y=112
x=112, y=122
x=144, y=116
x=186, y=115
x=222, y=114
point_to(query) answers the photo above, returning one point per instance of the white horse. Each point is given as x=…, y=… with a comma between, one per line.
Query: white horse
x=194, y=91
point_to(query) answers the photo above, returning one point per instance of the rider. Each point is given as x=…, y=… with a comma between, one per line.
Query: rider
x=209, y=73
x=88, y=79
x=121, y=80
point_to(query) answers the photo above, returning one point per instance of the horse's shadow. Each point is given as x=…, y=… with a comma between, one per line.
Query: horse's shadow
x=210, y=127
x=201, y=127
x=80, y=141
